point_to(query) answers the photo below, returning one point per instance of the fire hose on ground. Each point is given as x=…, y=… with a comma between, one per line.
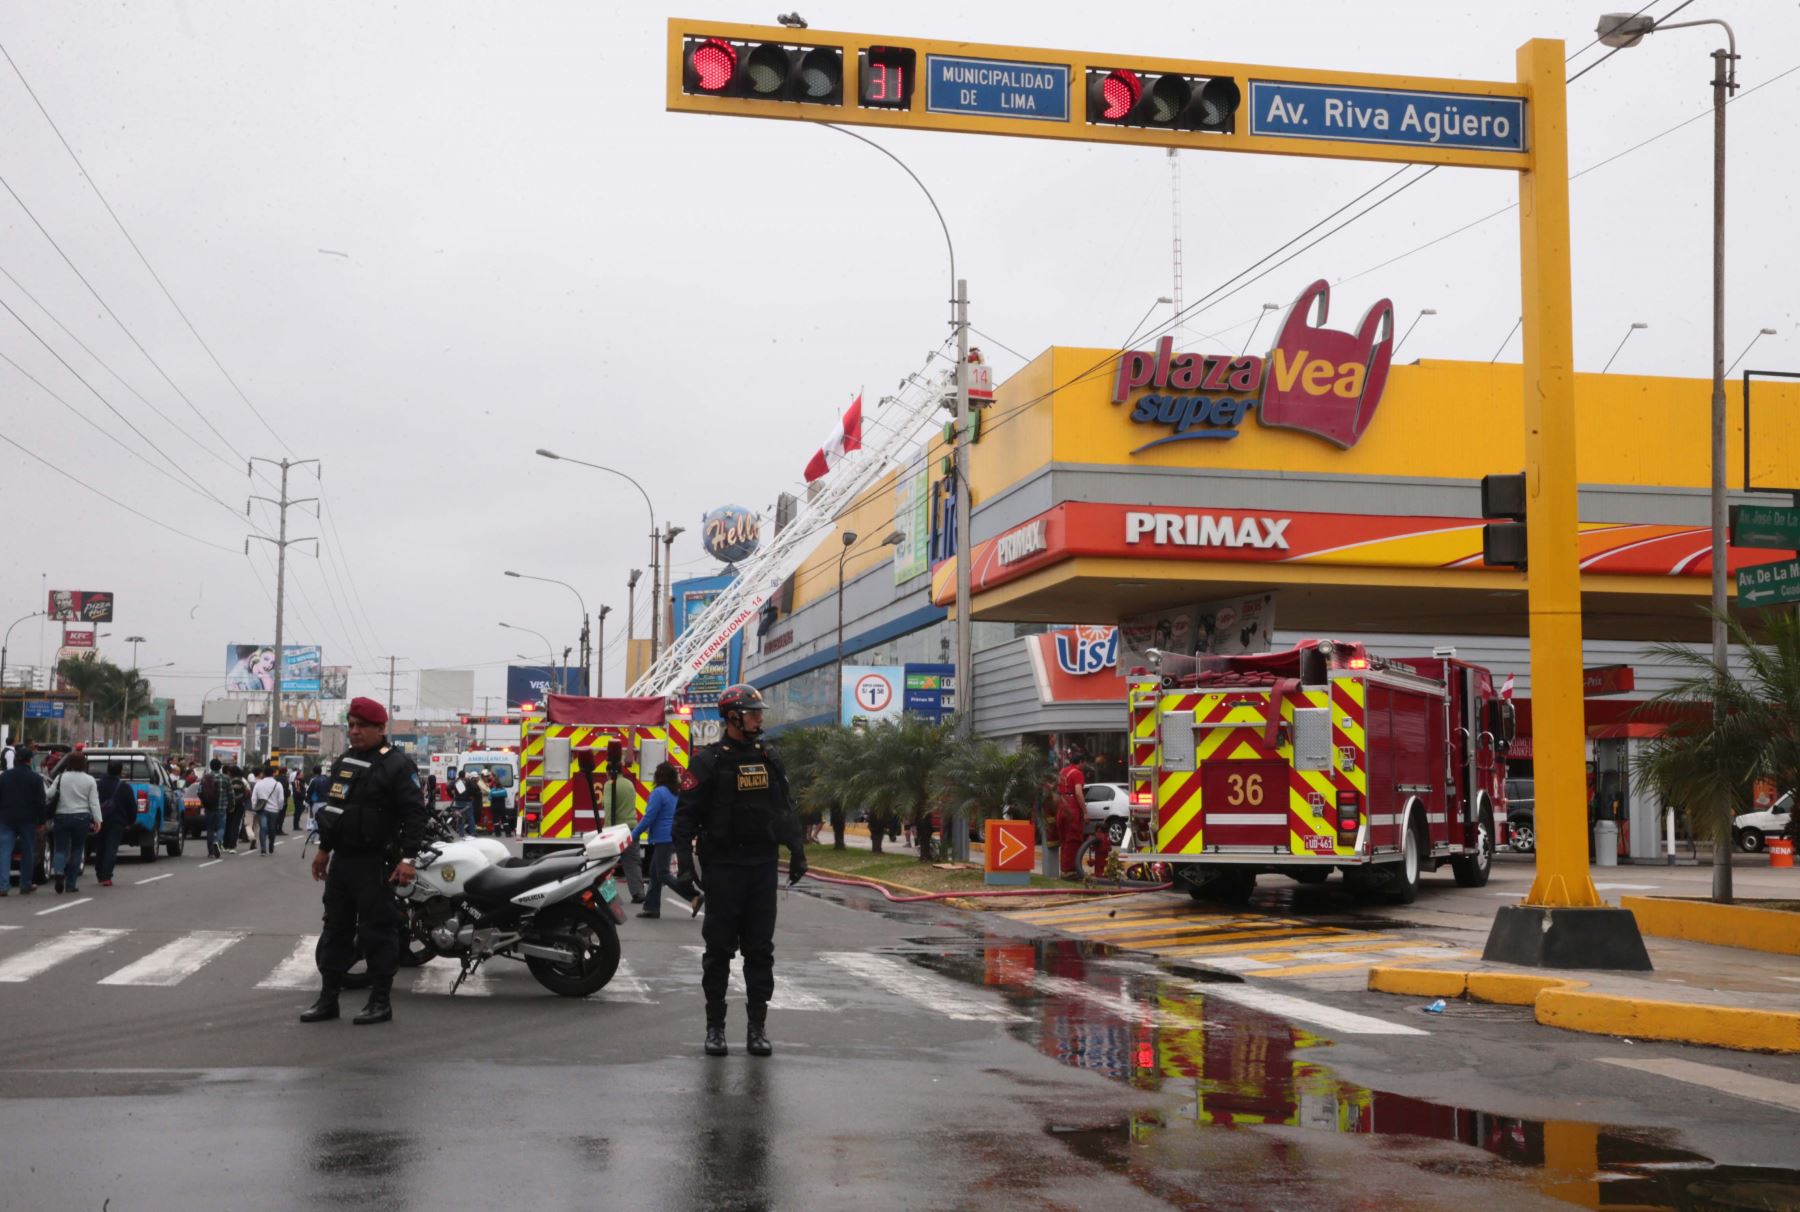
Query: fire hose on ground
x=851, y=882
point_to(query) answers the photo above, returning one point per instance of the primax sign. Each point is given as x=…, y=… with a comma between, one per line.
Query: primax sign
x=1206, y=530
x=1027, y=540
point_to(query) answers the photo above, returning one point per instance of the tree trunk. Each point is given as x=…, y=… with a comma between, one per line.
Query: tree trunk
x=837, y=827
x=924, y=838
x=877, y=829
x=1722, y=848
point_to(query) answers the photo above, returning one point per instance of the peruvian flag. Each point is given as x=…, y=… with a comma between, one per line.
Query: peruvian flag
x=1506, y=687
x=846, y=439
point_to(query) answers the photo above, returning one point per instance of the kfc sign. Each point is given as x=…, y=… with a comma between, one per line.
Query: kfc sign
x=80, y=606
x=1316, y=380
x=78, y=637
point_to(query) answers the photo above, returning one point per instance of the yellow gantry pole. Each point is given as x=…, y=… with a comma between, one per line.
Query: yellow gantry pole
x=1553, y=579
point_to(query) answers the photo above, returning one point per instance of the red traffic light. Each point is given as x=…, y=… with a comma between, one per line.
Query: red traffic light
x=763, y=71
x=1117, y=94
x=1118, y=97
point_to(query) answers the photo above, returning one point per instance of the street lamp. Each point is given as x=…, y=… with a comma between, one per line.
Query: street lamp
x=1423, y=312
x=668, y=541
x=1635, y=325
x=1628, y=29
x=1760, y=334
x=586, y=651
x=654, y=632
x=600, y=652
x=1266, y=309
x=549, y=650
x=7, y=641
x=893, y=540
x=125, y=737
x=125, y=711
x=631, y=619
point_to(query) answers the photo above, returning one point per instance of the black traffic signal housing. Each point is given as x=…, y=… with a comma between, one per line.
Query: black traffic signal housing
x=762, y=71
x=1122, y=97
x=1503, y=542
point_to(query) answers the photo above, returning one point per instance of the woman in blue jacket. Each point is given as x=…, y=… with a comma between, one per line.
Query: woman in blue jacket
x=658, y=828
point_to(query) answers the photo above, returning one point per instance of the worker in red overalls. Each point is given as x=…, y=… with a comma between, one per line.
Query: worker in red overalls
x=1071, y=811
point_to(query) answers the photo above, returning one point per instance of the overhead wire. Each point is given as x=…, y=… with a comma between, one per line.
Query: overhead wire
x=30, y=454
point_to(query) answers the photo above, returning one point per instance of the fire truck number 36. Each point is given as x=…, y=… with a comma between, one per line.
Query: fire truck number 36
x=1245, y=790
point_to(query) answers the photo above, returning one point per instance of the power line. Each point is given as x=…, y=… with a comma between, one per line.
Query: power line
x=122, y=505
x=85, y=176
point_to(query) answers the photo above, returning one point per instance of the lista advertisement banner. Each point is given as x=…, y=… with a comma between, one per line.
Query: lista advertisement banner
x=252, y=667
x=535, y=683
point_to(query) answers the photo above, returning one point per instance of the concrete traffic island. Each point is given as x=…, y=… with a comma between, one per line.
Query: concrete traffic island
x=1607, y=1005
x=1746, y=924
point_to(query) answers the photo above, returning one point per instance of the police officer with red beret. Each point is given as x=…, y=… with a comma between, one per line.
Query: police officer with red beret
x=372, y=820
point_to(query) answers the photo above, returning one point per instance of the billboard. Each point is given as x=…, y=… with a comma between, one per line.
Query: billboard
x=80, y=605
x=872, y=693
x=721, y=670
x=912, y=518
x=335, y=682
x=532, y=683
x=78, y=637
x=252, y=667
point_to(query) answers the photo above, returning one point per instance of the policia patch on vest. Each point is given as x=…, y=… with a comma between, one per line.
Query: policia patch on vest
x=752, y=776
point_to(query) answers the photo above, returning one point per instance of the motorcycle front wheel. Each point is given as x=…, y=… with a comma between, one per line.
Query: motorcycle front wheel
x=591, y=934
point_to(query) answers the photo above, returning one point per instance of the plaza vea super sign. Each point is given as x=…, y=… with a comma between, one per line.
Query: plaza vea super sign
x=1314, y=379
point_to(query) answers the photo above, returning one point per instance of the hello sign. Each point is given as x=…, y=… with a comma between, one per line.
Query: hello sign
x=1314, y=379
x=730, y=533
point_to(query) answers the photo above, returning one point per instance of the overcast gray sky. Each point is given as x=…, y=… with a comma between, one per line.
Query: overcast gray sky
x=426, y=238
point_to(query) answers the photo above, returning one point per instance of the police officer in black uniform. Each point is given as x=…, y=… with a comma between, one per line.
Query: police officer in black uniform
x=372, y=819
x=736, y=803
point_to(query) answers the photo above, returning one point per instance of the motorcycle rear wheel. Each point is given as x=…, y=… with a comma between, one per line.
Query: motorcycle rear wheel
x=598, y=939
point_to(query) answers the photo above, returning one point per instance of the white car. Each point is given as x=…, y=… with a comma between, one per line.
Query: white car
x=1749, y=829
x=1109, y=804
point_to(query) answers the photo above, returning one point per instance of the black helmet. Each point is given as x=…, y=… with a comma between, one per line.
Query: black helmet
x=741, y=697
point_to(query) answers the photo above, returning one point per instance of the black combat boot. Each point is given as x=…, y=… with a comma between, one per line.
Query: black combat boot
x=715, y=1040
x=379, y=1009
x=756, y=1040
x=323, y=1009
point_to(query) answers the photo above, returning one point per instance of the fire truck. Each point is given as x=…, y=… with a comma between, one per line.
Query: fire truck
x=1324, y=757
x=567, y=735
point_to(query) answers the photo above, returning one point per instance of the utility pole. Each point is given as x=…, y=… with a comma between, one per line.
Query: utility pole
x=631, y=620
x=281, y=542
x=125, y=710
x=390, y=702
x=965, y=550
x=600, y=654
x=670, y=530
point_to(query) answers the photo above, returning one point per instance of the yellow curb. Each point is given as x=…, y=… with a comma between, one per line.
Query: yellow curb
x=1418, y=982
x=1719, y=1026
x=1745, y=926
x=1516, y=988
x=955, y=900
x=1564, y=1002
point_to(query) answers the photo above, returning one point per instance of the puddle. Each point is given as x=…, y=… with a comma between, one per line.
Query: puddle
x=1235, y=1071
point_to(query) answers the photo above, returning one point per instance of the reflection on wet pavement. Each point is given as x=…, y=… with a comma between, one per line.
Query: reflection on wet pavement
x=732, y=1131
x=360, y=1166
x=1237, y=1068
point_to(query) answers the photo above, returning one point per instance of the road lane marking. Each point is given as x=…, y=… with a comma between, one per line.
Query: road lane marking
x=65, y=905
x=1239, y=963
x=440, y=974
x=300, y=970
x=174, y=962
x=1120, y=1005
x=213, y=863
x=927, y=989
x=685, y=904
x=787, y=996
x=47, y=955
x=625, y=986
x=1725, y=1081
x=1282, y=1006
x=1627, y=887
x=164, y=876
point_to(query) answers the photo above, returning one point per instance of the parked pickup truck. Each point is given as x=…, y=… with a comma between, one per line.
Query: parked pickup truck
x=158, y=799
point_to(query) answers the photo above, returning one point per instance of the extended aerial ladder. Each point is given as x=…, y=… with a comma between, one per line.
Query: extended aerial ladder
x=895, y=428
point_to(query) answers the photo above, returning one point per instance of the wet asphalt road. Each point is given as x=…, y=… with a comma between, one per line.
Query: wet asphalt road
x=925, y=1059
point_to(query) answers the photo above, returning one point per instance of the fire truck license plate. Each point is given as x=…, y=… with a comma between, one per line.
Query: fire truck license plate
x=1318, y=843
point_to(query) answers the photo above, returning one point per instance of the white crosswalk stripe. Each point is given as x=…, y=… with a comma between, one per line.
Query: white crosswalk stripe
x=625, y=986
x=440, y=974
x=933, y=992
x=300, y=970
x=787, y=995
x=174, y=962
x=46, y=955
x=1260, y=997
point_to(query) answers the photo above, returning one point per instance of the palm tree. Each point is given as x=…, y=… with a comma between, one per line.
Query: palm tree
x=816, y=759
x=1726, y=732
x=105, y=686
x=982, y=779
x=898, y=775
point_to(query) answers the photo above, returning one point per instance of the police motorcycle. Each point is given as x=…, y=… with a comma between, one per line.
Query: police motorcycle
x=472, y=901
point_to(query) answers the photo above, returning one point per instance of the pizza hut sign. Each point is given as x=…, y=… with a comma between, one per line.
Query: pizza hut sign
x=1315, y=380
